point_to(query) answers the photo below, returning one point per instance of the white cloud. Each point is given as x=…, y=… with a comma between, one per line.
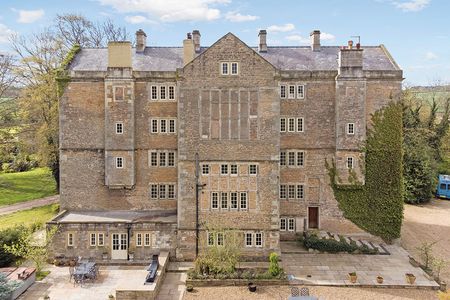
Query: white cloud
x=430, y=56
x=297, y=38
x=237, y=17
x=169, y=10
x=138, y=20
x=29, y=16
x=412, y=5
x=324, y=36
x=281, y=28
x=5, y=33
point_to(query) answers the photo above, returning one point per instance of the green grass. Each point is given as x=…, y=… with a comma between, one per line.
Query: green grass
x=41, y=275
x=29, y=217
x=25, y=186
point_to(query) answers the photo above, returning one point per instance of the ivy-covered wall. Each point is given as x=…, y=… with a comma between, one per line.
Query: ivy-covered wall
x=377, y=206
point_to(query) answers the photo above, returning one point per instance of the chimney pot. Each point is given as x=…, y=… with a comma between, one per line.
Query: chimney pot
x=141, y=40
x=315, y=40
x=189, y=36
x=262, y=40
x=196, y=37
x=350, y=44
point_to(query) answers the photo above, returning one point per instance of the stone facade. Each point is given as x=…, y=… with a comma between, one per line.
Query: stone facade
x=250, y=128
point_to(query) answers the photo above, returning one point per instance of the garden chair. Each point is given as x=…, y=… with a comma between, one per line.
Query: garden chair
x=304, y=291
x=295, y=292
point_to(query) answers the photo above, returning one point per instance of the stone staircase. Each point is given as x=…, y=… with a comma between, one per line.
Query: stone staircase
x=358, y=240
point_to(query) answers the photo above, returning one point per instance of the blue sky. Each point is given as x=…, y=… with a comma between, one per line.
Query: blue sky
x=416, y=32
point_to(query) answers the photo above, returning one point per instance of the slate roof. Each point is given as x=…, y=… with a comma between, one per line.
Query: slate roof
x=283, y=58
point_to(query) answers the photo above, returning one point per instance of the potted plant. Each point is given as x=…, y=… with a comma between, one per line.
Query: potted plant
x=380, y=279
x=131, y=255
x=352, y=276
x=105, y=255
x=410, y=278
x=252, y=287
x=189, y=287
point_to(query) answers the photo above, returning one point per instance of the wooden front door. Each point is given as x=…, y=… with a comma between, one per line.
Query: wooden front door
x=313, y=217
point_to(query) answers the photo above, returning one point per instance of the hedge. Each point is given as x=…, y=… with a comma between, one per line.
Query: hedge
x=377, y=206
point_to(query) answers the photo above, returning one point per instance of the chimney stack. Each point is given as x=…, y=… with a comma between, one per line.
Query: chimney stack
x=119, y=55
x=188, y=49
x=262, y=41
x=141, y=40
x=196, y=37
x=315, y=40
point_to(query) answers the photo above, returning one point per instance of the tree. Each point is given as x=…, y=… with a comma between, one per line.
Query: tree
x=29, y=248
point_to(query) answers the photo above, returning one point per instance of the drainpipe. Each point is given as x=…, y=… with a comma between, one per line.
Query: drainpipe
x=196, y=204
x=128, y=225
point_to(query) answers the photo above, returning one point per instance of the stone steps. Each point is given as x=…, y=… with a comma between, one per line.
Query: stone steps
x=359, y=242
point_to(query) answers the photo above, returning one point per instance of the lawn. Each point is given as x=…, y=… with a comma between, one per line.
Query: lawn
x=30, y=216
x=25, y=186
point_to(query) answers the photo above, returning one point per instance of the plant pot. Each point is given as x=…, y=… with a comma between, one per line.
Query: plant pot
x=131, y=256
x=252, y=287
x=410, y=278
x=105, y=256
x=352, y=277
x=380, y=279
x=189, y=288
x=443, y=286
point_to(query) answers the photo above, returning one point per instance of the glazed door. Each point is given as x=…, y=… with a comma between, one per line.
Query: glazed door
x=119, y=249
x=313, y=217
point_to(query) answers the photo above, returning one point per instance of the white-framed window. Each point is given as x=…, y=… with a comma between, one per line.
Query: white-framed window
x=172, y=126
x=291, y=158
x=93, y=240
x=258, y=239
x=282, y=91
x=233, y=169
x=351, y=128
x=300, y=158
x=101, y=239
x=215, y=200
x=154, y=159
x=248, y=239
x=171, y=92
x=162, y=126
x=146, y=239
x=233, y=200
x=224, y=68
x=220, y=239
x=282, y=158
x=300, y=191
x=243, y=200
x=300, y=91
x=170, y=159
x=234, y=68
x=283, y=226
x=291, y=92
x=119, y=162
x=282, y=124
x=154, y=191
x=154, y=92
x=224, y=169
x=291, y=124
x=253, y=169
x=291, y=191
x=300, y=125
x=205, y=169
x=119, y=128
x=350, y=162
x=154, y=126
x=224, y=200
x=283, y=191
x=171, y=191
x=139, y=239
x=70, y=239
x=162, y=159
x=291, y=224
x=162, y=92
x=162, y=191
x=211, y=239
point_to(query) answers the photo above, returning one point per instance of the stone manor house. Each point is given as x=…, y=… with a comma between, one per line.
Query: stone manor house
x=170, y=148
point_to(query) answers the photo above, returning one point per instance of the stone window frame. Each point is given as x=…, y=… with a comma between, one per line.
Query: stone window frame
x=234, y=201
x=350, y=162
x=247, y=235
x=292, y=158
x=70, y=239
x=100, y=234
x=163, y=93
x=352, y=127
x=243, y=200
x=158, y=90
x=282, y=191
x=224, y=169
x=224, y=199
x=154, y=126
x=163, y=126
x=120, y=162
x=300, y=95
x=293, y=123
x=234, y=169
x=153, y=163
x=210, y=239
x=292, y=187
x=261, y=235
x=139, y=240
x=224, y=66
x=205, y=169
x=170, y=125
x=154, y=93
x=300, y=124
x=253, y=235
x=287, y=222
x=231, y=68
x=92, y=242
x=167, y=190
x=283, y=125
x=253, y=169
x=291, y=92
x=220, y=236
x=147, y=242
x=119, y=127
x=282, y=158
x=214, y=200
x=114, y=88
x=171, y=93
x=283, y=91
x=283, y=227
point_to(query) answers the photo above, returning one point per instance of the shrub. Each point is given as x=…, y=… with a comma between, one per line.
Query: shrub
x=312, y=241
x=9, y=237
x=274, y=268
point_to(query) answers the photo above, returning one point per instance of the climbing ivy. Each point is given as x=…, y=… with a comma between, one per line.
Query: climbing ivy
x=61, y=73
x=377, y=206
